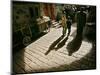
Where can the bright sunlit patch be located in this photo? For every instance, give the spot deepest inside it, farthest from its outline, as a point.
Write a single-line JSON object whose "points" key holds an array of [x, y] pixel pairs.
{"points": [[84, 49], [34, 55]]}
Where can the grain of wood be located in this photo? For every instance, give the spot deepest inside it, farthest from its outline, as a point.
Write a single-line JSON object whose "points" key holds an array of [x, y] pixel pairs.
{"points": [[35, 59]]}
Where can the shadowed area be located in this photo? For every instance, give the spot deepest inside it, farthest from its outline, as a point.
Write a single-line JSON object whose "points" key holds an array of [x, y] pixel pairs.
{"points": [[85, 63], [62, 43], [52, 46], [33, 39], [90, 33], [74, 45], [33, 60]]}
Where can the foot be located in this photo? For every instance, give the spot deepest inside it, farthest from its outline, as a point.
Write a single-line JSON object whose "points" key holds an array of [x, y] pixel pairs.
{"points": [[69, 54]]}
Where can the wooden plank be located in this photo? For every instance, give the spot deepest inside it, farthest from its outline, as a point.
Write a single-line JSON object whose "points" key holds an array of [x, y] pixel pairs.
{"points": [[81, 52], [30, 63], [17, 69], [43, 54], [58, 56], [23, 65], [36, 60], [43, 49], [47, 36], [58, 59], [44, 60], [38, 53], [77, 55]]}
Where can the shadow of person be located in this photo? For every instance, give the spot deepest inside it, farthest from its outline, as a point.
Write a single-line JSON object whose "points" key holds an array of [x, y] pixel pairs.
{"points": [[52, 46], [86, 62], [74, 45], [61, 44]]}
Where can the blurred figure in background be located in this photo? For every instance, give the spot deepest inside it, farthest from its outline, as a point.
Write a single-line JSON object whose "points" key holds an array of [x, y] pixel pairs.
{"points": [[75, 44], [64, 24], [69, 23], [81, 21]]}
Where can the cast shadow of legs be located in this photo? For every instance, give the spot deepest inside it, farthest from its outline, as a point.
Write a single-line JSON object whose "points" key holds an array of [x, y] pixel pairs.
{"points": [[74, 45], [52, 46], [61, 44], [87, 62]]}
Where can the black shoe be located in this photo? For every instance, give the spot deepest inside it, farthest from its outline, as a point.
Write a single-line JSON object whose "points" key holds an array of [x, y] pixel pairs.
{"points": [[69, 54]]}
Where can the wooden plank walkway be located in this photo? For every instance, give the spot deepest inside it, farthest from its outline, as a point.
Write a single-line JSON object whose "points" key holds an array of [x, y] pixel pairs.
{"points": [[32, 59]]}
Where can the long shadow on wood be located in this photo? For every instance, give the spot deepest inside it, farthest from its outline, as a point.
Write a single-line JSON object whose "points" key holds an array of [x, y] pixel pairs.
{"points": [[52, 46], [85, 63], [74, 45], [61, 44]]}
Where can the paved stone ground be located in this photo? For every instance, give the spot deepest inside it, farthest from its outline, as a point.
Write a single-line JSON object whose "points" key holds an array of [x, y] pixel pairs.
{"points": [[49, 54]]}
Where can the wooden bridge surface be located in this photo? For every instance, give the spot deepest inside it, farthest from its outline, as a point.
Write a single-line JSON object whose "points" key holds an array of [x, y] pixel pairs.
{"points": [[32, 59]]}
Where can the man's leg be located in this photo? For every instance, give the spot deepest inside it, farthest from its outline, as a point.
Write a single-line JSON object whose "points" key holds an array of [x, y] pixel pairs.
{"points": [[69, 30], [64, 31]]}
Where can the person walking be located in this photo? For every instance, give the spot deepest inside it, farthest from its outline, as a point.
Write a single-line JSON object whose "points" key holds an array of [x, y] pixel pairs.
{"points": [[75, 44], [81, 21], [64, 24], [69, 23]]}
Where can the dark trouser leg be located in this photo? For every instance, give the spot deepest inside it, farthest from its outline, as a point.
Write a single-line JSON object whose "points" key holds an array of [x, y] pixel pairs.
{"points": [[63, 31], [69, 30]]}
